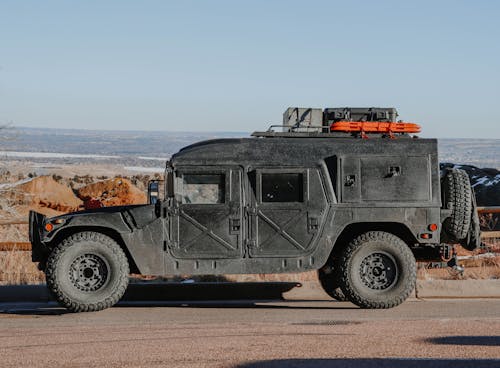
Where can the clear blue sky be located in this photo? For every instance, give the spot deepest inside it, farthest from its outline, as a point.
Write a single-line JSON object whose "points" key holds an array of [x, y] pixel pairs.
{"points": [[236, 65]]}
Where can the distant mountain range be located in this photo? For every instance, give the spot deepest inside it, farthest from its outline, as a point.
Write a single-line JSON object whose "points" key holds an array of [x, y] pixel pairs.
{"points": [[104, 142], [161, 144]]}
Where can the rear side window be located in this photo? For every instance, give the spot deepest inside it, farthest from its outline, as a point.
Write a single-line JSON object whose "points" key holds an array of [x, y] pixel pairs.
{"points": [[204, 188], [282, 187]]}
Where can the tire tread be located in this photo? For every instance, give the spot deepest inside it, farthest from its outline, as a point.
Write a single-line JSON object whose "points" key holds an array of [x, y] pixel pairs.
{"points": [[408, 262], [58, 292], [458, 198]]}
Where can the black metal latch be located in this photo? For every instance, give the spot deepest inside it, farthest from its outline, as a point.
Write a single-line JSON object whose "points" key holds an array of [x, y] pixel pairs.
{"points": [[234, 225], [393, 171], [350, 180], [312, 224], [252, 211]]}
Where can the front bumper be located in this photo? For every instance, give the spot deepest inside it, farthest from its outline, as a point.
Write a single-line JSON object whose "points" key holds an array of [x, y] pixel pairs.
{"points": [[39, 250]]}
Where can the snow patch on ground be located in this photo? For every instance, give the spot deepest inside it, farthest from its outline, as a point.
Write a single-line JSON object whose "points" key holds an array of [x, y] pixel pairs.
{"points": [[145, 169], [13, 185], [51, 155], [486, 181], [153, 158]]}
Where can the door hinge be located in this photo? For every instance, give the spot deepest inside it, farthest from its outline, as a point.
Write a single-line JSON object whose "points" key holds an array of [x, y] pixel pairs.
{"points": [[250, 210], [172, 211]]}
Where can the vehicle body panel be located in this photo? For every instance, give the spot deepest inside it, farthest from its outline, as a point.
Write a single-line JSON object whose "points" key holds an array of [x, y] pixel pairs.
{"points": [[341, 182]]}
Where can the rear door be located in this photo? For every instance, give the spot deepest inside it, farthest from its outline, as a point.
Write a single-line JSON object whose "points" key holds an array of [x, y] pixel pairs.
{"points": [[207, 222], [286, 211]]}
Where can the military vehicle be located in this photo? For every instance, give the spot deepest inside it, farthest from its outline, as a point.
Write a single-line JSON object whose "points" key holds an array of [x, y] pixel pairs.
{"points": [[350, 192]]}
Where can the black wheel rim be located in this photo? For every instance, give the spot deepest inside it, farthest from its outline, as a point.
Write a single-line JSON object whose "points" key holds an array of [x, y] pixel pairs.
{"points": [[89, 272], [379, 271]]}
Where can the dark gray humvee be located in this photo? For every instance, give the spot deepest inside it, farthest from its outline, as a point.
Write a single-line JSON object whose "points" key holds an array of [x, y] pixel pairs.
{"points": [[360, 211]]}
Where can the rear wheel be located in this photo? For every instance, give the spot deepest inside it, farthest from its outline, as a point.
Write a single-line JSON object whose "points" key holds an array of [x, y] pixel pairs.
{"points": [[377, 270], [87, 272]]}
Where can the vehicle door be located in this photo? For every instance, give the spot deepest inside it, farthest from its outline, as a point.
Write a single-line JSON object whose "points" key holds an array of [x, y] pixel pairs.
{"points": [[286, 211], [207, 218]]}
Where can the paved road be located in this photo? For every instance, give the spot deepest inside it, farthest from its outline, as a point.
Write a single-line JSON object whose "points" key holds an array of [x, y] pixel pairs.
{"points": [[447, 333]]}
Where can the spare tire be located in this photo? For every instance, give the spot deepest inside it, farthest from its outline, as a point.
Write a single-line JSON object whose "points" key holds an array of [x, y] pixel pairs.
{"points": [[457, 197], [473, 239]]}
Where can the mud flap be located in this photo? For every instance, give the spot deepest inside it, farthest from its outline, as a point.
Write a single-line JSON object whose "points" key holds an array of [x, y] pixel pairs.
{"points": [[38, 249]]}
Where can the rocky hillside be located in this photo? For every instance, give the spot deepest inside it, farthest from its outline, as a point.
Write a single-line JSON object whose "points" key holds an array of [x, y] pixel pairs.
{"points": [[50, 197]]}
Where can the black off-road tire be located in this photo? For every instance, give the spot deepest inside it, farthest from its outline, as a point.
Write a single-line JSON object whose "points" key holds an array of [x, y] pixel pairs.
{"points": [[361, 273], [329, 278], [473, 239], [458, 194], [87, 272]]}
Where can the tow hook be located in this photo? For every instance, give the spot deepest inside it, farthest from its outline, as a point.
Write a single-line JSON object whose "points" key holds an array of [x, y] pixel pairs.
{"points": [[449, 255]]}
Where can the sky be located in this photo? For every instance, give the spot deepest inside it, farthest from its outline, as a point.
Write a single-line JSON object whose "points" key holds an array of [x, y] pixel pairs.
{"points": [[237, 65]]}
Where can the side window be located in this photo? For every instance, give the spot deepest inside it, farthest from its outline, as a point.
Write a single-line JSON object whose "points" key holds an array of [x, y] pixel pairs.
{"points": [[282, 187], [331, 164], [203, 188]]}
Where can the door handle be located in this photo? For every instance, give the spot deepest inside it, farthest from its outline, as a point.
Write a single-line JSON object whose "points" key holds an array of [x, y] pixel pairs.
{"points": [[350, 180], [234, 226], [393, 171], [312, 224]]}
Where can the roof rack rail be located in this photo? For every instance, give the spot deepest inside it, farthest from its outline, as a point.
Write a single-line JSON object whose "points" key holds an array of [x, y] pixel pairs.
{"points": [[334, 134]]}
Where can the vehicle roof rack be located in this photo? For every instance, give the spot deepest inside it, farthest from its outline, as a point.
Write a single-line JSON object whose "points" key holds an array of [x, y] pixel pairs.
{"points": [[334, 134], [342, 122]]}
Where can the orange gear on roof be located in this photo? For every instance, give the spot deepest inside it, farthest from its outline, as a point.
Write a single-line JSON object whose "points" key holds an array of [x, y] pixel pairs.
{"points": [[374, 127]]}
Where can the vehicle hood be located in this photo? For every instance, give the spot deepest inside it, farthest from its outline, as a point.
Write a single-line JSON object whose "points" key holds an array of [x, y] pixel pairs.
{"points": [[102, 210]]}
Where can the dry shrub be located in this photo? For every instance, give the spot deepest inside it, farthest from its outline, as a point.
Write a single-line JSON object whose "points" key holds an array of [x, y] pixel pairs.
{"points": [[488, 221], [483, 273], [479, 266], [475, 269], [14, 233], [492, 244], [16, 268]]}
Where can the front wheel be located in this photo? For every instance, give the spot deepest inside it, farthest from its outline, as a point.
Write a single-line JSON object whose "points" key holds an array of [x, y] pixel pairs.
{"points": [[87, 272], [377, 270]]}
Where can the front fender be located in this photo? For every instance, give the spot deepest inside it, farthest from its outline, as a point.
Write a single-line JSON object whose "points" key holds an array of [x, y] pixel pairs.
{"points": [[138, 230], [113, 221]]}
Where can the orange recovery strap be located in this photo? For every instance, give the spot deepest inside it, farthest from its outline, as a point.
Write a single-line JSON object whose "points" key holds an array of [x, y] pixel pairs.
{"points": [[374, 127]]}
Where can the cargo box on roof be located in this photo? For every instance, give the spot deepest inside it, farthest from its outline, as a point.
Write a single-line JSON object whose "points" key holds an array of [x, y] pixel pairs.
{"points": [[335, 114], [302, 119]]}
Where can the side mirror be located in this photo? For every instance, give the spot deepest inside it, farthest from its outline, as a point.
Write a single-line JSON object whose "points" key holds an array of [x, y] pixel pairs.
{"points": [[169, 182], [153, 191]]}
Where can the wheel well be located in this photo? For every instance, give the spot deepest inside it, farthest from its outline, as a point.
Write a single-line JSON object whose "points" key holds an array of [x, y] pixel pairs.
{"points": [[353, 230], [113, 234]]}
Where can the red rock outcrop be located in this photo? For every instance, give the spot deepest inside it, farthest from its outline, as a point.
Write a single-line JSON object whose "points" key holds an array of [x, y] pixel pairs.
{"points": [[112, 192], [44, 192]]}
